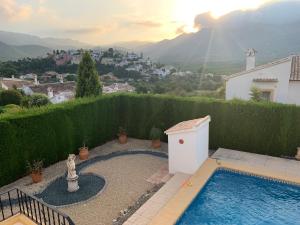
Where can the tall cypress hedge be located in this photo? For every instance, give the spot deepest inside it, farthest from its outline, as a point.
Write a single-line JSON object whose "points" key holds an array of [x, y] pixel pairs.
{"points": [[52, 132]]}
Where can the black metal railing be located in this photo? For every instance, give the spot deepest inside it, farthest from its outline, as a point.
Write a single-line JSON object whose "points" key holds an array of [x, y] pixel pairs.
{"points": [[16, 201]]}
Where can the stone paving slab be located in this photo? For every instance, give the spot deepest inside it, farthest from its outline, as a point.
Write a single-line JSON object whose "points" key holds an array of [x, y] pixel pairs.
{"points": [[161, 176], [287, 167]]}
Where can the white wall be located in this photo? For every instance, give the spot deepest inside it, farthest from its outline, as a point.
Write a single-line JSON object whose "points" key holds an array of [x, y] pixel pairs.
{"points": [[294, 92], [190, 155], [182, 157], [240, 86]]}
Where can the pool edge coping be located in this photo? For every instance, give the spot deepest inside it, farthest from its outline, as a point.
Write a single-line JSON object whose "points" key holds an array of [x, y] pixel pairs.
{"points": [[178, 204]]}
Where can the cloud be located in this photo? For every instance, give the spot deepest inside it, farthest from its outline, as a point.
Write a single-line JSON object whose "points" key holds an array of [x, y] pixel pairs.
{"points": [[145, 23], [85, 30], [204, 20], [13, 11]]}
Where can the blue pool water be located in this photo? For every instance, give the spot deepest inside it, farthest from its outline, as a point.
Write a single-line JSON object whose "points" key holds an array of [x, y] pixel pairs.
{"points": [[233, 198]]}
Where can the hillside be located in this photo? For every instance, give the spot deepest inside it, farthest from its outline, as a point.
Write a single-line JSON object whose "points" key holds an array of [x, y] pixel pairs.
{"points": [[9, 52], [273, 30], [12, 38]]}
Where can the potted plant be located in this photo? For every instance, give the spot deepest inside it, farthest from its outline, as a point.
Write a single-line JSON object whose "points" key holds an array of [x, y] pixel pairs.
{"points": [[84, 151], [155, 135], [35, 169], [122, 135], [298, 154]]}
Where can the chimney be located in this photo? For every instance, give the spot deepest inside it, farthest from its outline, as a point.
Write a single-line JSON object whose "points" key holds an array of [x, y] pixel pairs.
{"points": [[250, 61], [35, 80], [61, 79], [50, 92]]}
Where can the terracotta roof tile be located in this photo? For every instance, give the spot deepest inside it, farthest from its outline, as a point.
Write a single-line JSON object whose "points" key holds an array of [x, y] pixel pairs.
{"points": [[11, 83], [265, 80], [187, 125], [295, 69], [56, 87]]}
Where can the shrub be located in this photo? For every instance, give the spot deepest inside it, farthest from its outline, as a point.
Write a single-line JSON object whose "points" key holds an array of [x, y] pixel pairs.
{"points": [[36, 166], [11, 108], [256, 94], [10, 97], [35, 100], [122, 131], [155, 133]]}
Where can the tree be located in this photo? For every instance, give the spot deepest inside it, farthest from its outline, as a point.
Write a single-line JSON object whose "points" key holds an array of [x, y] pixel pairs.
{"points": [[88, 83], [35, 100], [10, 97], [256, 94]]}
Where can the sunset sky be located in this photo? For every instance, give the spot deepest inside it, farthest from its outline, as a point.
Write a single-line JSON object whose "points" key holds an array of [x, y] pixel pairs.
{"points": [[110, 21]]}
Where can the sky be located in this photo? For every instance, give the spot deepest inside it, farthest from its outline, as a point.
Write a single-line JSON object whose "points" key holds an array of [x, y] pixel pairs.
{"points": [[100, 22]]}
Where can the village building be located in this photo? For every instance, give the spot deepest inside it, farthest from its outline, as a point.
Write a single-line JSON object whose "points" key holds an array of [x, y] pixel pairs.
{"points": [[278, 81], [13, 83], [118, 87], [56, 92]]}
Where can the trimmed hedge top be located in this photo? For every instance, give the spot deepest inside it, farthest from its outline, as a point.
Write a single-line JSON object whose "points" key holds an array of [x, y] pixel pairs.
{"points": [[52, 132]]}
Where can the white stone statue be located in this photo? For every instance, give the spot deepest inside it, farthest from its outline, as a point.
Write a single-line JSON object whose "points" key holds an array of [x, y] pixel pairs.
{"points": [[72, 177], [71, 166]]}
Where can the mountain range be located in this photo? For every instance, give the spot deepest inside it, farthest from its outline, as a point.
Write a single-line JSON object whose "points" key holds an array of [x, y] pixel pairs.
{"points": [[273, 30], [18, 45], [11, 52]]}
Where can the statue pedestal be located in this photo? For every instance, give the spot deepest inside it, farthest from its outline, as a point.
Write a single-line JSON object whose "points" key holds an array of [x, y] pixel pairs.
{"points": [[72, 184]]}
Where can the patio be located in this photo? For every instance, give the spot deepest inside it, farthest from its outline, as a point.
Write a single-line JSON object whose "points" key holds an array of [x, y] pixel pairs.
{"points": [[127, 178]]}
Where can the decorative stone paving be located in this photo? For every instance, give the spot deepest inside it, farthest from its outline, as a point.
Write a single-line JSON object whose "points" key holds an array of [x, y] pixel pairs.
{"points": [[56, 194], [162, 176]]}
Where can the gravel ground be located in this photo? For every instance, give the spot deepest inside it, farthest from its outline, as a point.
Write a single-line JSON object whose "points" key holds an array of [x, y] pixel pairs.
{"points": [[125, 176], [58, 169], [126, 182]]}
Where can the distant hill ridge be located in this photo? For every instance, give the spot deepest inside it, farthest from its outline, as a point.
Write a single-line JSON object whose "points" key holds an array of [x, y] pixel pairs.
{"points": [[273, 30], [12, 38], [10, 52]]}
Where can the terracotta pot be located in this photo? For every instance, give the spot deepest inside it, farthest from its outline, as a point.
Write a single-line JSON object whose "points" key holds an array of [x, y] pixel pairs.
{"points": [[156, 143], [123, 139], [36, 177], [298, 154], [83, 153]]}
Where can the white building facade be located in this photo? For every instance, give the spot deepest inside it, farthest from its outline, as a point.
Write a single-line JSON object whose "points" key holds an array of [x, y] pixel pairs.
{"points": [[278, 81]]}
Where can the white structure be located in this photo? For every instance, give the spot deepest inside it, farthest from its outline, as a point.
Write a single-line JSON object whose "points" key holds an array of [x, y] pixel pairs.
{"points": [[279, 81], [188, 145], [250, 60], [72, 177], [118, 87]]}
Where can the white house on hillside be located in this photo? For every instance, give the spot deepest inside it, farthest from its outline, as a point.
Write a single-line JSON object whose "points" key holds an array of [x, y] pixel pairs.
{"points": [[279, 81]]}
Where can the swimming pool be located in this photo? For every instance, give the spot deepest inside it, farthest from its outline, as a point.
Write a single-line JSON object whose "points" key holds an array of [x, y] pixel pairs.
{"points": [[231, 197]]}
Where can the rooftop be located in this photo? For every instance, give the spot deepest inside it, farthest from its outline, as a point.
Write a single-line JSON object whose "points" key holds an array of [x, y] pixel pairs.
{"points": [[295, 69], [56, 87], [294, 73], [10, 83], [187, 125]]}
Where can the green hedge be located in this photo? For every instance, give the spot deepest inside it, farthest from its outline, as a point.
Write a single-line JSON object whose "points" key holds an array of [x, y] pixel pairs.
{"points": [[52, 132], [264, 128]]}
